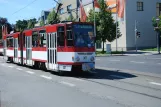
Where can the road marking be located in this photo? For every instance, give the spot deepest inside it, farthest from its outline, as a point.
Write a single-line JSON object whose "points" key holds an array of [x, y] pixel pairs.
{"points": [[115, 60], [154, 58], [97, 59], [117, 76], [10, 66], [46, 77], [67, 83], [137, 62], [159, 63], [19, 69], [155, 83], [30, 72]]}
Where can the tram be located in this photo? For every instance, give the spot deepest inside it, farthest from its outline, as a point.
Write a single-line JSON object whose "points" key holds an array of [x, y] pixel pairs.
{"points": [[1, 47], [60, 47]]}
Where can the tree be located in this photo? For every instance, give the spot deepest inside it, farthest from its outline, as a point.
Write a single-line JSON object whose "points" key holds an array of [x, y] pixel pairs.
{"points": [[21, 25], [90, 18], [51, 17], [31, 23], [70, 17], [154, 23], [4, 21], [42, 23], [106, 27]]}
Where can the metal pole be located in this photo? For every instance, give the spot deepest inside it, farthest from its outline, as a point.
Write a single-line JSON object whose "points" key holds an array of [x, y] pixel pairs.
{"points": [[94, 23], [158, 45], [116, 22], [135, 35], [94, 20]]}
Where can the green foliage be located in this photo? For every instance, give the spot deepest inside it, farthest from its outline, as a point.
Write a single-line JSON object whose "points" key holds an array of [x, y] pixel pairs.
{"points": [[51, 17], [3, 21], [105, 25], [71, 18], [42, 23], [31, 23], [24, 24], [154, 23], [21, 25]]}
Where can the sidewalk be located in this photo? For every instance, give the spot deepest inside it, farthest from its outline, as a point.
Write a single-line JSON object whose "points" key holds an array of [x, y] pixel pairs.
{"points": [[132, 53]]}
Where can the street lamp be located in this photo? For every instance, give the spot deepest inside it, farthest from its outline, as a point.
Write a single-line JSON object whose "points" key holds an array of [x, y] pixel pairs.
{"points": [[158, 34]]}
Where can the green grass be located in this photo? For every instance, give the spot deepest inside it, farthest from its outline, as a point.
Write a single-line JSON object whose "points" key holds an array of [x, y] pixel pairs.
{"points": [[151, 49], [104, 53]]}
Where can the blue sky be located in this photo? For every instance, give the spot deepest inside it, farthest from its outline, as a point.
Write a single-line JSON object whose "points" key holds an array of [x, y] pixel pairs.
{"points": [[8, 7]]}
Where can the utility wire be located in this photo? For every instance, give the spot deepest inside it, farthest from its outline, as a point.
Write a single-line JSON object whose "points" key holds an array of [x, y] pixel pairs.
{"points": [[24, 7]]}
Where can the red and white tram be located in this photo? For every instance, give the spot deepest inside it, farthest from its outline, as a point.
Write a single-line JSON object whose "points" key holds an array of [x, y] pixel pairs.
{"points": [[1, 47], [59, 47]]}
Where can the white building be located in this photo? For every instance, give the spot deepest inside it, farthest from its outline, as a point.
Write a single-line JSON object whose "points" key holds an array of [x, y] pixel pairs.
{"points": [[140, 10]]}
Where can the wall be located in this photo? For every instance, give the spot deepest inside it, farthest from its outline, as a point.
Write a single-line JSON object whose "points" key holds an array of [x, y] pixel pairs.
{"points": [[148, 35]]}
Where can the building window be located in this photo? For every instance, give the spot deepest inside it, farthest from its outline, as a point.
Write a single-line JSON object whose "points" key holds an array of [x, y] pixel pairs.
{"points": [[61, 11], [69, 7], [158, 10], [139, 6]]}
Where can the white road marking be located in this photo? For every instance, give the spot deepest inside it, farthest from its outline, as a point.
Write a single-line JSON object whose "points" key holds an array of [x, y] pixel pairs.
{"points": [[46, 77], [137, 62], [30, 72], [117, 76], [154, 58], [19, 69], [97, 59], [159, 63], [10, 66], [67, 83], [114, 60], [155, 83]]}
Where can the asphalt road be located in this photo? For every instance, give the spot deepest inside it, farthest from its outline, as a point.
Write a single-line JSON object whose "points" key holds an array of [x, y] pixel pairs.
{"points": [[147, 63], [26, 87]]}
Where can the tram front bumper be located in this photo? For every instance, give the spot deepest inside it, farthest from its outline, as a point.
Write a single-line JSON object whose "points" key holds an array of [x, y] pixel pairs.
{"points": [[88, 66]]}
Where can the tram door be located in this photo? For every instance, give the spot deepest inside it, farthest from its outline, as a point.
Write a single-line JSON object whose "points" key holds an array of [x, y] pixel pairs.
{"points": [[4, 47], [52, 51], [15, 45], [28, 40]]}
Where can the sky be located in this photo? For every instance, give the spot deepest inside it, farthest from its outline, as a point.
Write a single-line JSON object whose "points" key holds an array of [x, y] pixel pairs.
{"points": [[9, 7]]}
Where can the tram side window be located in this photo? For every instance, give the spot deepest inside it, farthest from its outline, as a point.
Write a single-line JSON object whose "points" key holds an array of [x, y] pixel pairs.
{"points": [[42, 38], [61, 39], [69, 36], [10, 42], [35, 39]]}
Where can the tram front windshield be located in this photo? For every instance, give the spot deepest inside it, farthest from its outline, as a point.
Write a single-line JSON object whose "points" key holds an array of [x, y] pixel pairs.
{"points": [[83, 35]]}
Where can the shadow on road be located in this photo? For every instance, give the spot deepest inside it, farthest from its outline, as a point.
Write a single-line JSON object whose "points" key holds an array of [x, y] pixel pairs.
{"points": [[102, 74]]}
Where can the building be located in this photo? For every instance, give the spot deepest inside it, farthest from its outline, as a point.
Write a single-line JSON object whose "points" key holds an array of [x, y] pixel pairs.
{"points": [[140, 10], [43, 17]]}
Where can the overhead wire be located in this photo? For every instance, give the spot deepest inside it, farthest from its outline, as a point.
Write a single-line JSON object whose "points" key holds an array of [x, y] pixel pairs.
{"points": [[24, 7]]}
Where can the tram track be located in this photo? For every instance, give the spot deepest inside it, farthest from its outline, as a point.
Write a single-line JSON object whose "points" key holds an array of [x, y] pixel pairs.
{"points": [[108, 85]]}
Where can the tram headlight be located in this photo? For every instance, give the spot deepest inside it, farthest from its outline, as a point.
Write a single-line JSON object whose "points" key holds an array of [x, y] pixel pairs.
{"points": [[77, 58], [92, 58]]}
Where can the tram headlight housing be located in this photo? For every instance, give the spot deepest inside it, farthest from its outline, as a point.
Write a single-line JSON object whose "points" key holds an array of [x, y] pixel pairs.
{"points": [[77, 58], [92, 58]]}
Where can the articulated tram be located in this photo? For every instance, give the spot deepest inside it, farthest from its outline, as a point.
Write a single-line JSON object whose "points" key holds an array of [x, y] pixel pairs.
{"points": [[1, 47], [60, 47]]}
